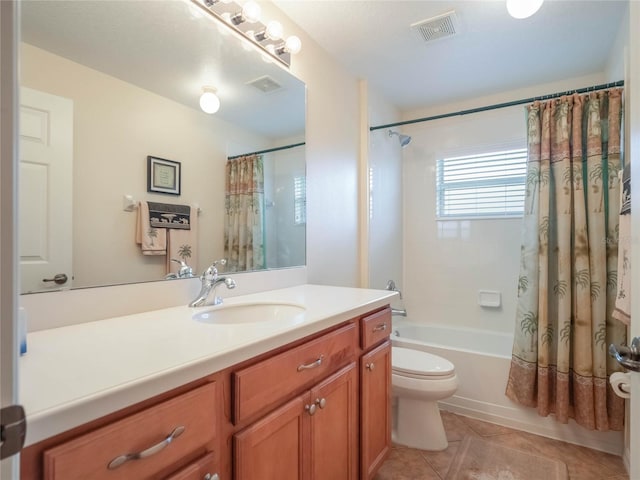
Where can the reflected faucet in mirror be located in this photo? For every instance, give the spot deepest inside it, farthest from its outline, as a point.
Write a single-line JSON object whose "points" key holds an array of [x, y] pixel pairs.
{"points": [[210, 281], [185, 271]]}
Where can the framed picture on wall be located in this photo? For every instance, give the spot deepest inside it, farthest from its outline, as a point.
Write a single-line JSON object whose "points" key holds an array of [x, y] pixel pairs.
{"points": [[163, 176]]}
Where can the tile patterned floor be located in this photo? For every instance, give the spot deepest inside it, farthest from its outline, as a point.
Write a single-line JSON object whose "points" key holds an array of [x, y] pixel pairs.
{"points": [[583, 463]]}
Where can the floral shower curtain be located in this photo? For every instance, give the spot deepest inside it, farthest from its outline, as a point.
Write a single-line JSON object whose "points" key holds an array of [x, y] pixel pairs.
{"points": [[244, 214], [567, 284]]}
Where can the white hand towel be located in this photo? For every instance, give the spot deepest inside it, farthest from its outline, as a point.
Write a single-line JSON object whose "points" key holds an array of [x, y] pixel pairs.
{"points": [[152, 241], [183, 244]]}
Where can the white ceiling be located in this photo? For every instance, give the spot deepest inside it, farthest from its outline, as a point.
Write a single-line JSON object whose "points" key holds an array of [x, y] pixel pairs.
{"points": [[491, 53]]}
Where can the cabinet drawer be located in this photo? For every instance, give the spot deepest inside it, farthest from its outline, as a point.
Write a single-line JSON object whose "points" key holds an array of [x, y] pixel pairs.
{"points": [[375, 328], [260, 387], [88, 456], [198, 470]]}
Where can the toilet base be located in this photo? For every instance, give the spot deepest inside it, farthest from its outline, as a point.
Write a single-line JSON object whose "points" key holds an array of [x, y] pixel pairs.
{"points": [[419, 425]]}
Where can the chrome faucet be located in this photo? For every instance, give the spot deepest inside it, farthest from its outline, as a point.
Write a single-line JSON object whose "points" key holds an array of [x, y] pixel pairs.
{"points": [[391, 286], [210, 281]]}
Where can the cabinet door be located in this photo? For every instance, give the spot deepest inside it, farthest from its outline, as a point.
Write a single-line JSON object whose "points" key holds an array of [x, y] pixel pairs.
{"points": [[334, 427], [272, 448], [375, 409]]}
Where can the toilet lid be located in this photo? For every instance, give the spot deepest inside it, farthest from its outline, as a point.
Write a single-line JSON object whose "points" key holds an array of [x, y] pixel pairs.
{"points": [[417, 362]]}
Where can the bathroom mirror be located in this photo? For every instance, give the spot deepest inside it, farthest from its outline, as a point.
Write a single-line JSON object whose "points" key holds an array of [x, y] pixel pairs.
{"points": [[104, 85]]}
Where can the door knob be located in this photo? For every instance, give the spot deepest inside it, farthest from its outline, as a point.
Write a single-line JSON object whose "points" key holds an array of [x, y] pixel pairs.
{"points": [[58, 279], [628, 357]]}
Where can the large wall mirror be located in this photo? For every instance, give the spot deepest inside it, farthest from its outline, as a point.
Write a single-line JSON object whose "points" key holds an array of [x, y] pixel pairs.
{"points": [[104, 85]]}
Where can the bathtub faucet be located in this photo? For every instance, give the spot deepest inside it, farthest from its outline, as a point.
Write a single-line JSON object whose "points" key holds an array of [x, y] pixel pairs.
{"points": [[391, 286], [402, 312]]}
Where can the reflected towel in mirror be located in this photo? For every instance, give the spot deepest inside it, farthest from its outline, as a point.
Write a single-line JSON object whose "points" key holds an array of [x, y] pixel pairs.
{"points": [[152, 241], [183, 244]]}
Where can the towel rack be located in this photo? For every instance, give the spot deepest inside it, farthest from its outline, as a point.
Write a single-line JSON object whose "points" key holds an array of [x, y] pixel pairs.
{"points": [[129, 204]]}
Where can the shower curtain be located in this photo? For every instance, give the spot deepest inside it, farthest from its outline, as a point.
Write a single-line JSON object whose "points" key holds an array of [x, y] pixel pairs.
{"points": [[244, 214], [567, 284]]}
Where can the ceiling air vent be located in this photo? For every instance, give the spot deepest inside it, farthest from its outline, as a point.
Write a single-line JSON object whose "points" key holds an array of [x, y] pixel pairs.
{"points": [[265, 84], [441, 26]]}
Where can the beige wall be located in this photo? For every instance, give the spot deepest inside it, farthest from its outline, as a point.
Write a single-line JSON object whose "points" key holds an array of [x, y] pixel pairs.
{"points": [[332, 151], [116, 125]]}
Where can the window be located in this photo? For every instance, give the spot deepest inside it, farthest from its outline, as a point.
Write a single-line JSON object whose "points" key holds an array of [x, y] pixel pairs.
{"points": [[299, 200], [485, 185]]}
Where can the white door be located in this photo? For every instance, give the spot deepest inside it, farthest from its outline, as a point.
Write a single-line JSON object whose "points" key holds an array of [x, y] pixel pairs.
{"points": [[632, 94], [46, 160], [8, 237]]}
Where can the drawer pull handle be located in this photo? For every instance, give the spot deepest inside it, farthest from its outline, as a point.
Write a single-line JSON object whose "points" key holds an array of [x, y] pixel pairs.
{"points": [[321, 402], [310, 408], [315, 364], [208, 476], [116, 462], [370, 366], [380, 327]]}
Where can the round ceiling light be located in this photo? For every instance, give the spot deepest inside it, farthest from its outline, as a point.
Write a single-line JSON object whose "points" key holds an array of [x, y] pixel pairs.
{"points": [[209, 101], [523, 8]]}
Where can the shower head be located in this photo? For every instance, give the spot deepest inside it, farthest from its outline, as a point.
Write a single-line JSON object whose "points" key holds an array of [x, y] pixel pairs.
{"points": [[403, 139]]}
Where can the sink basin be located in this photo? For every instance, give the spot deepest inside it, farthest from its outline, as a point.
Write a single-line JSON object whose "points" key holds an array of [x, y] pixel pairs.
{"points": [[251, 313]]}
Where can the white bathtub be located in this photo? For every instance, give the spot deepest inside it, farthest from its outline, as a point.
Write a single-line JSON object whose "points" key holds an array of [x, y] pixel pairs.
{"points": [[482, 359], [472, 341]]}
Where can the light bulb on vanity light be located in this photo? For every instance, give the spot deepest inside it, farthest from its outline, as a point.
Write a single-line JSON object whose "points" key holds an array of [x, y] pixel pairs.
{"points": [[274, 30], [251, 11], [523, 8], [293, 44], [209, 101]]}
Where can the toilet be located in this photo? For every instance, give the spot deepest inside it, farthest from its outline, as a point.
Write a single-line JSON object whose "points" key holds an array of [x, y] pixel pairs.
{"points": [[419, 379]]}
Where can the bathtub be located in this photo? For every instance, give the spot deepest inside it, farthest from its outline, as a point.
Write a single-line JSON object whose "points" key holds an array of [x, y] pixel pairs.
{"points": [[471, 341], [482, 359]]}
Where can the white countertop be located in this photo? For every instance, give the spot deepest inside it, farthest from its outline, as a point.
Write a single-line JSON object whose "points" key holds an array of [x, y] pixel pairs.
{"points": [[75, 374]]}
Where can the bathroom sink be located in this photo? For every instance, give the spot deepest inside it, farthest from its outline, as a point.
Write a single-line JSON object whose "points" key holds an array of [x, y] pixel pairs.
{"points": [[251, 313]]}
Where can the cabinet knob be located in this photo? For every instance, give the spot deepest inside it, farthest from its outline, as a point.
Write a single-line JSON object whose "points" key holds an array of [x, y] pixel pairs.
{"points": [[321, 402], [370, 366], [310, 408]]}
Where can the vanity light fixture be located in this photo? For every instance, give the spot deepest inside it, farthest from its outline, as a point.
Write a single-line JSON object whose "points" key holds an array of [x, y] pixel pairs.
{"points": [[209, 101], [245, 21], [523, 8]]}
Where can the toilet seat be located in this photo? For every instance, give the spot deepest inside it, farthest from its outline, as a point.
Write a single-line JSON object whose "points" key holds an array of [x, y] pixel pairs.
{"points": [[419, 364]]}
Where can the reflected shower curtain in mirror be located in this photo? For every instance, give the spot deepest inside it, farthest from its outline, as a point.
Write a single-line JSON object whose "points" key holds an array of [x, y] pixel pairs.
{"points": [[567, 284], [244, 214]]}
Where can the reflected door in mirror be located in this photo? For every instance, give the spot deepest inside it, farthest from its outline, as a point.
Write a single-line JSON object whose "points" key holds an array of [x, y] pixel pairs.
{"points": [[46, 156]]}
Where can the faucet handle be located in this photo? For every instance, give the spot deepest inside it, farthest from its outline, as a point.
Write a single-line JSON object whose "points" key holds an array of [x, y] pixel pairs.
{"points": [[211, 273]]}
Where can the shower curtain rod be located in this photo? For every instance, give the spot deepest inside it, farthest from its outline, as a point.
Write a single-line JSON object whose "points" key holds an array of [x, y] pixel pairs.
{"points": [[603, 86], [269, 150]]}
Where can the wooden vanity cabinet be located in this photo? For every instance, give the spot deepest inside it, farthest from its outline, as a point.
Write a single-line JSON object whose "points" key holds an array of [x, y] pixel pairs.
{"points": [[375, 392], [339, 428], [316, 409], [314, 435], [311, 437]]}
